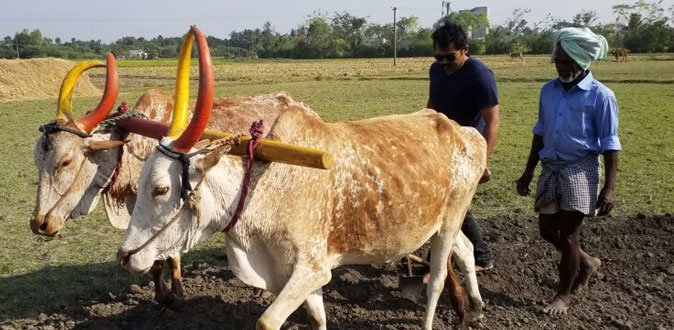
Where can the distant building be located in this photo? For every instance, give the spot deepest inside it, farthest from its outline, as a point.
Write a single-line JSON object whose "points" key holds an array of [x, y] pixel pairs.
{"points": [[138, 53], [481, 31]]}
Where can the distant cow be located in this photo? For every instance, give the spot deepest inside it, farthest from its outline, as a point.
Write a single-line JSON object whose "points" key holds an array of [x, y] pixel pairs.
{"points": [[621, 54], [515, 54]]}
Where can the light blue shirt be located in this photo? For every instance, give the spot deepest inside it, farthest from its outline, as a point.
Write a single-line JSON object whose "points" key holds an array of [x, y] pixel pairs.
{"points": [[577, 122]]}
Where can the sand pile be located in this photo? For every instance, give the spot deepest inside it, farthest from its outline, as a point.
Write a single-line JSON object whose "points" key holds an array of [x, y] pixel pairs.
{"points": [[39, 78]]}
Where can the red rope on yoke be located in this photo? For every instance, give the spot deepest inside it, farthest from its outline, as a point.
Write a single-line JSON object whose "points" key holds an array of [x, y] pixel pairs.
{"points": [[120, 111], [256, 133]]}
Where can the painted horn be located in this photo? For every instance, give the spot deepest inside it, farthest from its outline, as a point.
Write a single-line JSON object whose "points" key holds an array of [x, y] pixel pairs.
{"points": [[186, 137], [88, 122], [65, 101]]}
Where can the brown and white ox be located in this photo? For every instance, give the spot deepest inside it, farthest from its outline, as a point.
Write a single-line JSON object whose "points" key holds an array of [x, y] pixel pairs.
{"points": [[397, 182], [516, 55], [620, 53], [75, 171]]}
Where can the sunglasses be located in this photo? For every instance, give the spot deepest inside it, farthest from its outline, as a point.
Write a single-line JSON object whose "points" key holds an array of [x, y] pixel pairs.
{"points": [[449, 57]]}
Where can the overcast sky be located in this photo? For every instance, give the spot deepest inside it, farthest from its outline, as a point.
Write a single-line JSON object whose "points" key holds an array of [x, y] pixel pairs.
{"points": [[111, 20]]}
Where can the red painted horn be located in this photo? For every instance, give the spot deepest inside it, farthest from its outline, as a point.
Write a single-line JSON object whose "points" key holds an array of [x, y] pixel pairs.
{"points": [[88, 122], [204, 105]]}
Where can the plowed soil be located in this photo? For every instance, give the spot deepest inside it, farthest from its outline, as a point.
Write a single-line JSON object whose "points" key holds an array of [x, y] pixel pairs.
{"points": [[634, 289]]}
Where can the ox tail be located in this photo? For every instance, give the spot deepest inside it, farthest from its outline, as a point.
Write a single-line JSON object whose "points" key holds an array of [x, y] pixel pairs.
{"points": [[458, 295]]}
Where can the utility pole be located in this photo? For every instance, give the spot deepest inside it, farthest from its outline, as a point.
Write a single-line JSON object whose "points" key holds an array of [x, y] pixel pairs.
{"points": [[395, 37]]}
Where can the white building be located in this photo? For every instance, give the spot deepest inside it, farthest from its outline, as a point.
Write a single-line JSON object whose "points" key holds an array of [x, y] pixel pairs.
{"points": [[481, 31], [138, 53]]}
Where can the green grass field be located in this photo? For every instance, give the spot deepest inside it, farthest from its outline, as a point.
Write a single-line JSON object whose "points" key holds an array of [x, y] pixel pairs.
{"points": [[45, 275]]}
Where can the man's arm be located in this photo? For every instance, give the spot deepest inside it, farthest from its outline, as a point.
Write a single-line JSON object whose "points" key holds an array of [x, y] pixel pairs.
{"points": [[606, 198], [490, 133], [525, 180], [492, 123]]}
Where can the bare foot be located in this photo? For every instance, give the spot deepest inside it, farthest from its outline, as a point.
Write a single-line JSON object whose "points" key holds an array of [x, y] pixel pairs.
{"points": [[559, 306], [588, 267]]}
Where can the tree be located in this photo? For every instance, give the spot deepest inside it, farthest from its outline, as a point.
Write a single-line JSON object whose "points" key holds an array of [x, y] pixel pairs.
{"points": [[586, 18], [350, 29]]}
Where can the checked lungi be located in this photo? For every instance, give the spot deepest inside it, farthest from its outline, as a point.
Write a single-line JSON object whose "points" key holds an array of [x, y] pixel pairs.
{"points": [[570, 186]]}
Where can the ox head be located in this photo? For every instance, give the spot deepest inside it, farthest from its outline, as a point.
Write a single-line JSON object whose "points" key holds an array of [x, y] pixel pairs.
{"points": [[67, 156], [168, 175]]}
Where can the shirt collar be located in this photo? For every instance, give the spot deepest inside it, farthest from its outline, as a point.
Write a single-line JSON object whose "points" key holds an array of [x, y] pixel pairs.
{"points": [[585, 84]]}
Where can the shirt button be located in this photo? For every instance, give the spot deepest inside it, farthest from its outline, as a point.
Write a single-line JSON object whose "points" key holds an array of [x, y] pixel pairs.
{"points": [[559, 114]]}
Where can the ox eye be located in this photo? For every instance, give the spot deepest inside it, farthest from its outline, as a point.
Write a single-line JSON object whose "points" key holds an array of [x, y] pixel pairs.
{"points": [[159, 191], [64, 163]]}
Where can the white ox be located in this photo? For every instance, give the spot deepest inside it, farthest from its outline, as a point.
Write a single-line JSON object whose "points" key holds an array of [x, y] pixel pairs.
{"points": [[75, 171], [397, 182]]}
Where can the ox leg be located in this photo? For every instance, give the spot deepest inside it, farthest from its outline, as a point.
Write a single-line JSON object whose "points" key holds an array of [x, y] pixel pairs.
{"points": [[177, 293], [463, 254], [160, 289], [302, 283], [316, 310], [441, 247], [174, 297]]}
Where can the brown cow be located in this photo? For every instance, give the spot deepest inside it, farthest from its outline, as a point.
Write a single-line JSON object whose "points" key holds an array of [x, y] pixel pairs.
{"points": [[397, 182], [621, 53], [516, 55]]}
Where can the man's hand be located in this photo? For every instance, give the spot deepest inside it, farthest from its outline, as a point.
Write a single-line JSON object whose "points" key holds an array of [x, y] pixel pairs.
{"points": [[486, 176], [605, 201], [523, 184]]}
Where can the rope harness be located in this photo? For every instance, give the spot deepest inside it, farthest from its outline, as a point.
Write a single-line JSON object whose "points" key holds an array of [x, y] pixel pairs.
{"points": [[191, 198], [185, 187], [122, 113], [255, 132], [46, 129], [70, 188], [51, 128]]}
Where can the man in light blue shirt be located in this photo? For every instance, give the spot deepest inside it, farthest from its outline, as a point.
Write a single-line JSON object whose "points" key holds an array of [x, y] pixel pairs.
{"points": [[577, 121]]}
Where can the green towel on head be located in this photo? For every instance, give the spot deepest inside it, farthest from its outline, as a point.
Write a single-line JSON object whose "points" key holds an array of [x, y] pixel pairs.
{"points": [[581, 44]]}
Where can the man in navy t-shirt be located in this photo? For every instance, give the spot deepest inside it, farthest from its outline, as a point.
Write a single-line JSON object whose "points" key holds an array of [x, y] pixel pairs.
{"points": [[464, 89]]}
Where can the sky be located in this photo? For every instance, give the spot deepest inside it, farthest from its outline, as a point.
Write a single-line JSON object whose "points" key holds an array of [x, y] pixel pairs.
{"points": [[111, 20]]}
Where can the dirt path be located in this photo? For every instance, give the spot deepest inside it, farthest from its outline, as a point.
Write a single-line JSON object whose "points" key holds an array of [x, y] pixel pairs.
{"points": [[633, 290]]}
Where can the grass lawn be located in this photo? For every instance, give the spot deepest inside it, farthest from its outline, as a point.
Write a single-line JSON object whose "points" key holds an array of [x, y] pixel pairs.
{"points": [[39, 274]]}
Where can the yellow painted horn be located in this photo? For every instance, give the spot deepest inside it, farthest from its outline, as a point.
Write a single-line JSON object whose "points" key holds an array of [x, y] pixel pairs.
{"points": [[182, 92], [65, 104]]}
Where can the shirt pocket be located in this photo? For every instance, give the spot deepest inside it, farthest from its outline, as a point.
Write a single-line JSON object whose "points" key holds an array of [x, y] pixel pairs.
{"points": [[578, 117]]}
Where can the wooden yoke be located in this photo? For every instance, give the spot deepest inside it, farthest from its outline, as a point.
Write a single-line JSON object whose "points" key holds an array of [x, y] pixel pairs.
{"points": [[275, 151], [267, 150]]}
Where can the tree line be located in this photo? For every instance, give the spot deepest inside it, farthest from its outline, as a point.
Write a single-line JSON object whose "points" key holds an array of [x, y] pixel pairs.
{"points": [[643, 27]]}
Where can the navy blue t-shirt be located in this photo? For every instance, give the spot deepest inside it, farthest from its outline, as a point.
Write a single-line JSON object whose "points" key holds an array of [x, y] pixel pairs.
{"points": [[462, 95]]}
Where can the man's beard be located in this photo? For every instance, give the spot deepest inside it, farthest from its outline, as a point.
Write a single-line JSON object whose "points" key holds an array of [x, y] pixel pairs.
{"points": [[450, 68], [569, 78]]}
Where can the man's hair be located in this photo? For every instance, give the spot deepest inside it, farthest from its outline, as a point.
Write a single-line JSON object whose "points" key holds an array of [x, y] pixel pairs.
{"points": [[448, 33]]}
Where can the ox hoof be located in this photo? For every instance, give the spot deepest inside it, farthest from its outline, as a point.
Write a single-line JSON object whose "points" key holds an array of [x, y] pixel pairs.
{"points": [[170, 300]]}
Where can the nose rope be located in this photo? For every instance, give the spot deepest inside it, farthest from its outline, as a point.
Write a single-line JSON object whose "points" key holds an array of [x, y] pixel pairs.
{"points": [[171, 153], [70, 188]]}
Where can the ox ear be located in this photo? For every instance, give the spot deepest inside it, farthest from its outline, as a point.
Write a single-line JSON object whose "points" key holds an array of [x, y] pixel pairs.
{"points": [[218, 149], [94, 146], [202, 144]]}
